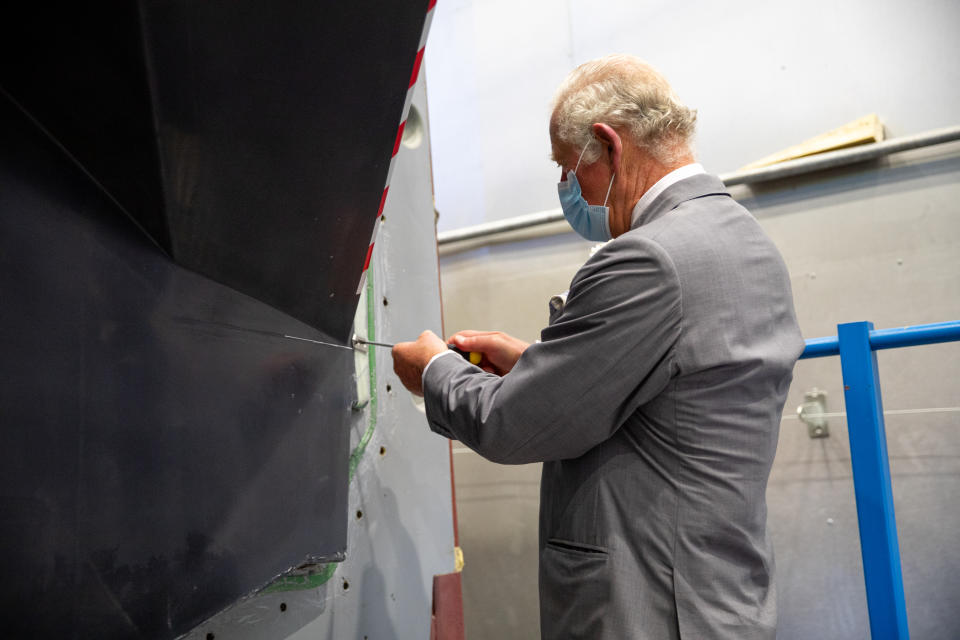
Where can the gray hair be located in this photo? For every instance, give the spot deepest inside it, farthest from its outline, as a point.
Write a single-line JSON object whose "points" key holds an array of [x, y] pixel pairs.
{"points": [[626, 93]]}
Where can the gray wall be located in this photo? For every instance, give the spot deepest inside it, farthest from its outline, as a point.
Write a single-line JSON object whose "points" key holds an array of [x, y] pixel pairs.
{"points": [[763, 75], [879, 242]]}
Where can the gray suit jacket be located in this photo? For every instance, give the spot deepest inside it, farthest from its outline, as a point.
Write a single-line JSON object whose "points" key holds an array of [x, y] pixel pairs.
{"points": [[654, 401]]}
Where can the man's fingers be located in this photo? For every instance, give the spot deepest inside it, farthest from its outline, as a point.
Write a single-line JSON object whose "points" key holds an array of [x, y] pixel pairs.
{"points": [[469, 333], [499, 349], [478, 342], [464, 342]]}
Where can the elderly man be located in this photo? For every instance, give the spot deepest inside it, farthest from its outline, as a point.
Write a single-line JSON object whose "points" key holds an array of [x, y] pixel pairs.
{"points": [[655, 394]]}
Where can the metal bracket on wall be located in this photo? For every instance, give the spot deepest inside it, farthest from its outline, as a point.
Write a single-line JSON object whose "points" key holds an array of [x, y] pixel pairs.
{"points": [[813, 413]]}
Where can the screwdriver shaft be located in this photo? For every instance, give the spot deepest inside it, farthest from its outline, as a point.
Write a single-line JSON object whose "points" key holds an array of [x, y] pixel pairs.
{"points": [[376, 344]]}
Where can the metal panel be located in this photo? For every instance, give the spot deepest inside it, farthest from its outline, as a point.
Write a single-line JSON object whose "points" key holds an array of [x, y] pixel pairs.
{"points": [[251, 140], [166, 449], [79, 69], [170, 448], [279, 121], [400, 521]]}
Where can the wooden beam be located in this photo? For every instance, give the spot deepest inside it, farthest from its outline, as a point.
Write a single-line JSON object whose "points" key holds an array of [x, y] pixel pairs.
{"points": [[862, 131]]}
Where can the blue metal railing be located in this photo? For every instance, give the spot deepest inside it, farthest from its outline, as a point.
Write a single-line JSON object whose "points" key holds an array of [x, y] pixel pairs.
{"points": [[855, 343]]}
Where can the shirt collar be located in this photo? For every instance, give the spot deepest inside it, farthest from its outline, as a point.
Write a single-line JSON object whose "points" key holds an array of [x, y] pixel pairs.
{"points": [[651, 194]]}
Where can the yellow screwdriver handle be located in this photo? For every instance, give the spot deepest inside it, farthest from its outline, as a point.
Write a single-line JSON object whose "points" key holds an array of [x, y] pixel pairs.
{"points": [[473, 357]]}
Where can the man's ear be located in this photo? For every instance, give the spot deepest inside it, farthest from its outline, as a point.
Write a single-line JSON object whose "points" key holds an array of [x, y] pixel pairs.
{"points": [[610, 140]]}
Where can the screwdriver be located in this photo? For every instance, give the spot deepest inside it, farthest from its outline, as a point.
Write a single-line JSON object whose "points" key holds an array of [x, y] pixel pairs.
{"points": [[473, 357]]}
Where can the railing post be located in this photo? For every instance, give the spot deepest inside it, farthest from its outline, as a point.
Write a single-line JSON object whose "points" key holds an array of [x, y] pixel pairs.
{"points": [[871, 481]]}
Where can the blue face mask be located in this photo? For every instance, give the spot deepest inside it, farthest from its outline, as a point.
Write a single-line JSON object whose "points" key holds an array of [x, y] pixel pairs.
{"points": [[591, 221]]}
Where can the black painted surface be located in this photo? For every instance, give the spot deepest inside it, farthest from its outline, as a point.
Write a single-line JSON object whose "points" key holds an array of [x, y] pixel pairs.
{"points": [[181, 184], [165, 450], [250, 140], [79, 69]]}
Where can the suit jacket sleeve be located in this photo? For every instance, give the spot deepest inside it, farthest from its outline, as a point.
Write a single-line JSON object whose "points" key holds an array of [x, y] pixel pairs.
{"points": [[609, 351]]}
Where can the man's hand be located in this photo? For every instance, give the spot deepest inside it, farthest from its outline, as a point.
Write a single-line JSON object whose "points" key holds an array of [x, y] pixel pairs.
{"points": [[409, 359], [500, 351]]}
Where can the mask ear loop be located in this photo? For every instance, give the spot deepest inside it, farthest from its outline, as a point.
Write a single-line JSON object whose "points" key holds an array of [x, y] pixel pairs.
{"points": [[609, 187], [607, 197], [581, 157]]}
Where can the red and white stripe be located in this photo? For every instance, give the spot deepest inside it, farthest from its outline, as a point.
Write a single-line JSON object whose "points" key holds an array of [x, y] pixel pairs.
{"points": [[396, 145]]}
